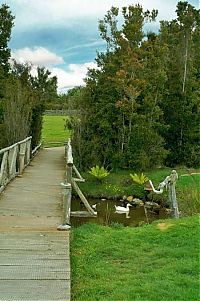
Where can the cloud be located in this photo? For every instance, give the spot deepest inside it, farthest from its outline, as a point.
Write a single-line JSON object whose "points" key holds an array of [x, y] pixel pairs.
{"points": [[39, 56], [40, 12], [74, 76]]}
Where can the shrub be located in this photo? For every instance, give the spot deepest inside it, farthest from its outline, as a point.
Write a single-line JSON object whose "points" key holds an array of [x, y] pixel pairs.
{"points": [[99, 172], [139, 179]]}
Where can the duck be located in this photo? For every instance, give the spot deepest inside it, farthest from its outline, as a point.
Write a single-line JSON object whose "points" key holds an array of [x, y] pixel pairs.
{"points": [[94, 206], [123, 209]]}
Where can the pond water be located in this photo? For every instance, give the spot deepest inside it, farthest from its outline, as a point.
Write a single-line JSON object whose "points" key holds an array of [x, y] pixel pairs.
{"points": [[107, 215]]}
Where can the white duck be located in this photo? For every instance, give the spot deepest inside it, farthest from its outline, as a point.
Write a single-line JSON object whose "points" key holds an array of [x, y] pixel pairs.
{"points": [[121, 209], [94, 206]]}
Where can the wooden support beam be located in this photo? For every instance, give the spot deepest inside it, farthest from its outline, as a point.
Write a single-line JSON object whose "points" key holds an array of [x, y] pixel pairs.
{"points": [[78, 174], [82, 214], [83, 198]]}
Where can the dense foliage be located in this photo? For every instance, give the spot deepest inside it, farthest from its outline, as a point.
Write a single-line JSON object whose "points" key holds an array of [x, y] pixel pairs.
{"points": [[140, 107], [23, 97]]}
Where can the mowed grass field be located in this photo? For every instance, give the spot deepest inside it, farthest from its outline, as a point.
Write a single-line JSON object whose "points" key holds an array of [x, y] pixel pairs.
{"points": [[157, 262], [54, 132]]}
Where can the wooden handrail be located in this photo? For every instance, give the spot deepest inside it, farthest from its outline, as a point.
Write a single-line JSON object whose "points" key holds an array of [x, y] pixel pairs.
{"points": [[67, 189], [14, 160], [13, 145]]}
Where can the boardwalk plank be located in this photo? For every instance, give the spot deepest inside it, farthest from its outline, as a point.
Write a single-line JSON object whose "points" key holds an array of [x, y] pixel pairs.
{"points": [[34, 256], [38, 290]]}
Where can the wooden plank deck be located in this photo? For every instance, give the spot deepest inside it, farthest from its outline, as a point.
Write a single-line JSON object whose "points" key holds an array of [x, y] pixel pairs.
{"points": [[34, 256]]}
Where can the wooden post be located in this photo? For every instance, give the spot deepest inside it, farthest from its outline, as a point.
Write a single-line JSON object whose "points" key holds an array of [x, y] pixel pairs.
{"points": [[172, 193], [66, 192], [170, 183], [28, 152], [4, 170], [13, 162], [21, 157]]}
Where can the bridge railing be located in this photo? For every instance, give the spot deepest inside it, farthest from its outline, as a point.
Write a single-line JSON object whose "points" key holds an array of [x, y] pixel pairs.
{"points": [[67, 191], [13, 160]]}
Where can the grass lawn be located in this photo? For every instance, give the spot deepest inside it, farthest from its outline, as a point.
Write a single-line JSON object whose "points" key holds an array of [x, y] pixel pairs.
{"points": [[54, 131], [157, 262]]}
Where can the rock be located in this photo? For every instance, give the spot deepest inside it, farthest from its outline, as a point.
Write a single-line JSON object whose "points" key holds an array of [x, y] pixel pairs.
{"points": [[130, 198], [168, 211], [124, 198], [137, 202], [152, 205]]}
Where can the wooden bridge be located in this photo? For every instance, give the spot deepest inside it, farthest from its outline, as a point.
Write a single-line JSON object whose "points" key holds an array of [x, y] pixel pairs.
{"points": [[34, 255]]}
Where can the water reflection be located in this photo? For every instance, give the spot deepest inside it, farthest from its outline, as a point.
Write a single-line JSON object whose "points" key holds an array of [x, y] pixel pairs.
{"points": [[107, 214]]}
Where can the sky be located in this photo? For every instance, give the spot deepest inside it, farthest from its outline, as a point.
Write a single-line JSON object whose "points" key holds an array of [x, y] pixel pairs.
{"points": [[63, 36]]}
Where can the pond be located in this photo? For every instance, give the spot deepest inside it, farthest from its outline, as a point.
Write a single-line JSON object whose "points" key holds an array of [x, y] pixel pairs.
{"points": [[107, 215]]}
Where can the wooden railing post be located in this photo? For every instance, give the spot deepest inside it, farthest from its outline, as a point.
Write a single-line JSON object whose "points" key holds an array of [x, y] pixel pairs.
{"points": [[170, 183], [67, 190], [4, 170], [22, 149], [28, 151], [13, 161], [66, 193], [172, 193]]}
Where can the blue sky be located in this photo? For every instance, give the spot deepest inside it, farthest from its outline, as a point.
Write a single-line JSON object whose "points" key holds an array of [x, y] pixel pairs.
{"points": [[63, 36]]}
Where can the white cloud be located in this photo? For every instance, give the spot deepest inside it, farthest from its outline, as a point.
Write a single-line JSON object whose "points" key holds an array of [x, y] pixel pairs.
{"points": [[37, 56], [74, 76], [38, 12]]}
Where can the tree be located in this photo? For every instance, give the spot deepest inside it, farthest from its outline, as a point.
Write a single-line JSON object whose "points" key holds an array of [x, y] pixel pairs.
{"points": [[17, 110], [120, 126], [6, 24], [182, 102], [45, 85]]}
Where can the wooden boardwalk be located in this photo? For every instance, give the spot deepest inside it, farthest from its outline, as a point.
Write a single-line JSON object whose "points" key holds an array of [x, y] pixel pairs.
{"points": [[34, 256]]}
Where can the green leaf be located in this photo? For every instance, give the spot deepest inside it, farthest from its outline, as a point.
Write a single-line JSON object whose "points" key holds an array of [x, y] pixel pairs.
{"points": [[139, 179], [99, 172]]}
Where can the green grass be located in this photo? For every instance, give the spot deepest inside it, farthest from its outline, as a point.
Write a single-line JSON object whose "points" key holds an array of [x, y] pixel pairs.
{"points": [[119, 183], [54, 132], [150, 263]]}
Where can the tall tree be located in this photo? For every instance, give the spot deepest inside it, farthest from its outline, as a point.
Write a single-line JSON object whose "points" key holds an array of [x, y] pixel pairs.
{"points": [[121, 127], [6, 24], [45, 84], [182, 101], [17, 110]]}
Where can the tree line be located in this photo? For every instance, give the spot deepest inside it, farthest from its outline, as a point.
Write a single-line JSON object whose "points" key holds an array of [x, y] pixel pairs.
{"points": [[140, 107], [23, 96]]}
